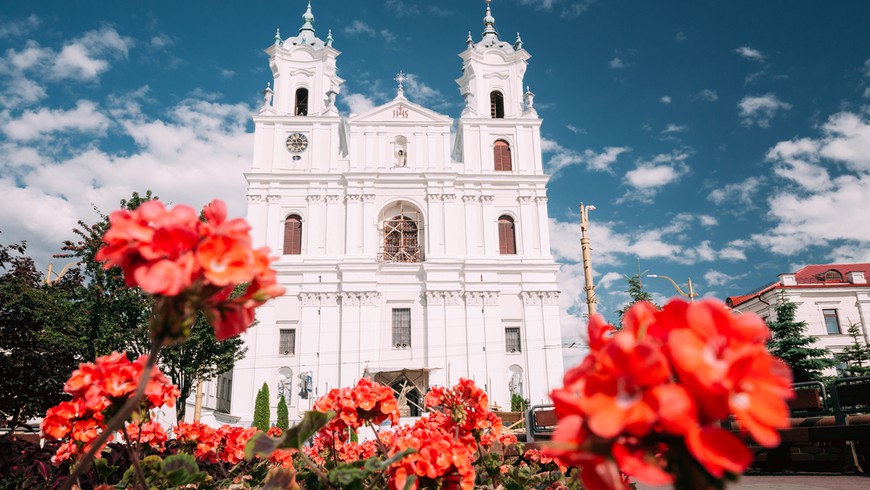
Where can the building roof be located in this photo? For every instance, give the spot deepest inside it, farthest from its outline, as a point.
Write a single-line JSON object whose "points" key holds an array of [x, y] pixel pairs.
{"points": [[811, 276]]}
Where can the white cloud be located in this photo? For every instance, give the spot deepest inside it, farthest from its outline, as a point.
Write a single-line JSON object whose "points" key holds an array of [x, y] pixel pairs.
{"points": [[423, 94], [867, 68], [608, 279], [87, 57], [562, 157], [675, 128], [388, 36], [742, 192], [716, 278], [358, 103], [749, 53], [84, 118], [760, 109], [649, 176], [617, 63], [707, 220], [20, 27], [568, 9], [706, 95], [680, 37], [575, 129], [161, 41], [358, 27], [196, 153], [665, 99], [825, 211]]}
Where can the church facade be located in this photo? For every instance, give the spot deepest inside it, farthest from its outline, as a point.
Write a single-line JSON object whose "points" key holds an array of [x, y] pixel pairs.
{"points": [[409, 255]]}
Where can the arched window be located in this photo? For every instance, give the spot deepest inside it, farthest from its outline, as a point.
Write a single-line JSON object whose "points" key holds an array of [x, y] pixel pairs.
{"points": [[401, 240], [502, 156], [293, 235], [833, 276], [496, 105], [507, 243], [301, 102]]}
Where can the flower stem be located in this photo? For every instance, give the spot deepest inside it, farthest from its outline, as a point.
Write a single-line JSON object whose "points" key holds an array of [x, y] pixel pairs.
{"points": [[118, 420], [313, 467], [134, 455]]}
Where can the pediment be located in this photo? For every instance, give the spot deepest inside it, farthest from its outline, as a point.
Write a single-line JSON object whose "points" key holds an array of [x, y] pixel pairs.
{"points": [[401, 111]]}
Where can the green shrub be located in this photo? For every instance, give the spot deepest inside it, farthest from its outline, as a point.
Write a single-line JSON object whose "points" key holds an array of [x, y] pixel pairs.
{"points": [[262, 414]]}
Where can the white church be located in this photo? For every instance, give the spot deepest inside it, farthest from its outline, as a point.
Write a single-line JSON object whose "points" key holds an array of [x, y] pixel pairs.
{"points": [[409, 256]]}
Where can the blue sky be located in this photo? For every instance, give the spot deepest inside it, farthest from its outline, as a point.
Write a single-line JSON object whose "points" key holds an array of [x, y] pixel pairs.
{"points": [[723, 141]]}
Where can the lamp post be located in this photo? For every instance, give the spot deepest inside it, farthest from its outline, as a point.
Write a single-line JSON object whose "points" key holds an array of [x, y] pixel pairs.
{"points": [[691, 294], [591, 300]]}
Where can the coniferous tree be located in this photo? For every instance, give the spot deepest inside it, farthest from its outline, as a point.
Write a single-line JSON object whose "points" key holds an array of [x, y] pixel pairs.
{"points": [[790, 343], [856, 356], [636, 294], [283, 422], [262, 413]]}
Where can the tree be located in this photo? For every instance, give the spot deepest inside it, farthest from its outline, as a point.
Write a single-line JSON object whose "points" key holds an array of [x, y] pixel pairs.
{"points": [[790, 343], [118, 317], [283, 422], [636, 294], [200, 357], [856, 355], [262, 413], [38, 322]]}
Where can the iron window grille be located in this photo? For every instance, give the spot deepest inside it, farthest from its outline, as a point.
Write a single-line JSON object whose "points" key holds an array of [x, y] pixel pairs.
{"points": [[287, 342], [401, 328], [512, 340]]}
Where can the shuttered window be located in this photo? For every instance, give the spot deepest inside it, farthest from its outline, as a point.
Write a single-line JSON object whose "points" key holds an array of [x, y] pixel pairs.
{"points": [[506, 236], [512, 339], [293, 235], [502, 156], [287, 342], [401, 328]]}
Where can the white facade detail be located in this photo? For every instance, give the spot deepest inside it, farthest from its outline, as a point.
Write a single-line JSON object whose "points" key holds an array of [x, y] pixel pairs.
{"points": [[404, 259]]}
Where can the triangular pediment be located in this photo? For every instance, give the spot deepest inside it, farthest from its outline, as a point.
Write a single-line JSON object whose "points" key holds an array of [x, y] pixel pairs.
{"points": [[401, 111]]}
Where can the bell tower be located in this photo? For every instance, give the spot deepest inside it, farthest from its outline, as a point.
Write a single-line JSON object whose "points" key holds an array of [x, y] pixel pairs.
{"points": [[303, 66], [498, 123]]}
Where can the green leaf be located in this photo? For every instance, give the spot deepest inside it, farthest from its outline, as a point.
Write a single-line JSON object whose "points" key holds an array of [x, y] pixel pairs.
{"points": [[181, 469], [263, 445], [375, 465], [409, 483]]}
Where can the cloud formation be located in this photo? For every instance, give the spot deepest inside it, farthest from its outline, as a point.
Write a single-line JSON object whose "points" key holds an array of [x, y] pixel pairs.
{"points": [[760, 109], [749, 53]]}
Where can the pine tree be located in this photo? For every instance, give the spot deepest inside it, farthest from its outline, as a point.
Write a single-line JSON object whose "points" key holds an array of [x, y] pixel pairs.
{"points": [[790, 343], [262, 413], [856, 356], [636, 293], [283, 422]]}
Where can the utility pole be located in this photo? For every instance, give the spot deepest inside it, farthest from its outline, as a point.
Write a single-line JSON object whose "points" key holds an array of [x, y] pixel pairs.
{"points": [[197, 407], [591, 300]]}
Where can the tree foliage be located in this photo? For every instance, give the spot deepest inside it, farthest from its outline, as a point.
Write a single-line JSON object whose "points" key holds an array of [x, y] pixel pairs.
{"points": [[117, 318], [262, 412], [790, 343], [856, 355], [38, 322], [636, 294], [283, 421]]}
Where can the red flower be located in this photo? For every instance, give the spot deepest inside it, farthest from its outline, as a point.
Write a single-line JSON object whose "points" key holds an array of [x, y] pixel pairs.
{"points": [[669, 374]]}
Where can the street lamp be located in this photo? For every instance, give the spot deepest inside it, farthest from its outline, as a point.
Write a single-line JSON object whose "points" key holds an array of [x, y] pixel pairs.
{"points": [[591, 300], [691, 294]]}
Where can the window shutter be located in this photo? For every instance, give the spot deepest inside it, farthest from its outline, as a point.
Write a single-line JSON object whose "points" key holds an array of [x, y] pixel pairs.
{"points": [[293, 235], [506, 238]]}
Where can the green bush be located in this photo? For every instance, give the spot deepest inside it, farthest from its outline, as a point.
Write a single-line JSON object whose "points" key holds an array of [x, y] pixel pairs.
{"points": [[518, 404], [283, 415], [262, 414]]}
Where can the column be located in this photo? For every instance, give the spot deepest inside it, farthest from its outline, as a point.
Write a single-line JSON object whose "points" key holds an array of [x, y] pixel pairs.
{"points": [[308, 339], [333, 237], [552, 339], [274, 226], [330, 341], [350, 339], [496, 378], [475, 338], [528, 238], [316, 224], [455, 336], [369, 226], [435, 228], [354, 224], [370, 330], [533, 347], [543, 225], [449, 224], [488, 226], [471, 216], [436, 337], [257, 216]]}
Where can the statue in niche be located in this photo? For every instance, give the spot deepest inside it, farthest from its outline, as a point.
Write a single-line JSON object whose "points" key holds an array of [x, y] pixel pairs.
{"points": [[515, 385], [285, 387], [401, 151]]}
